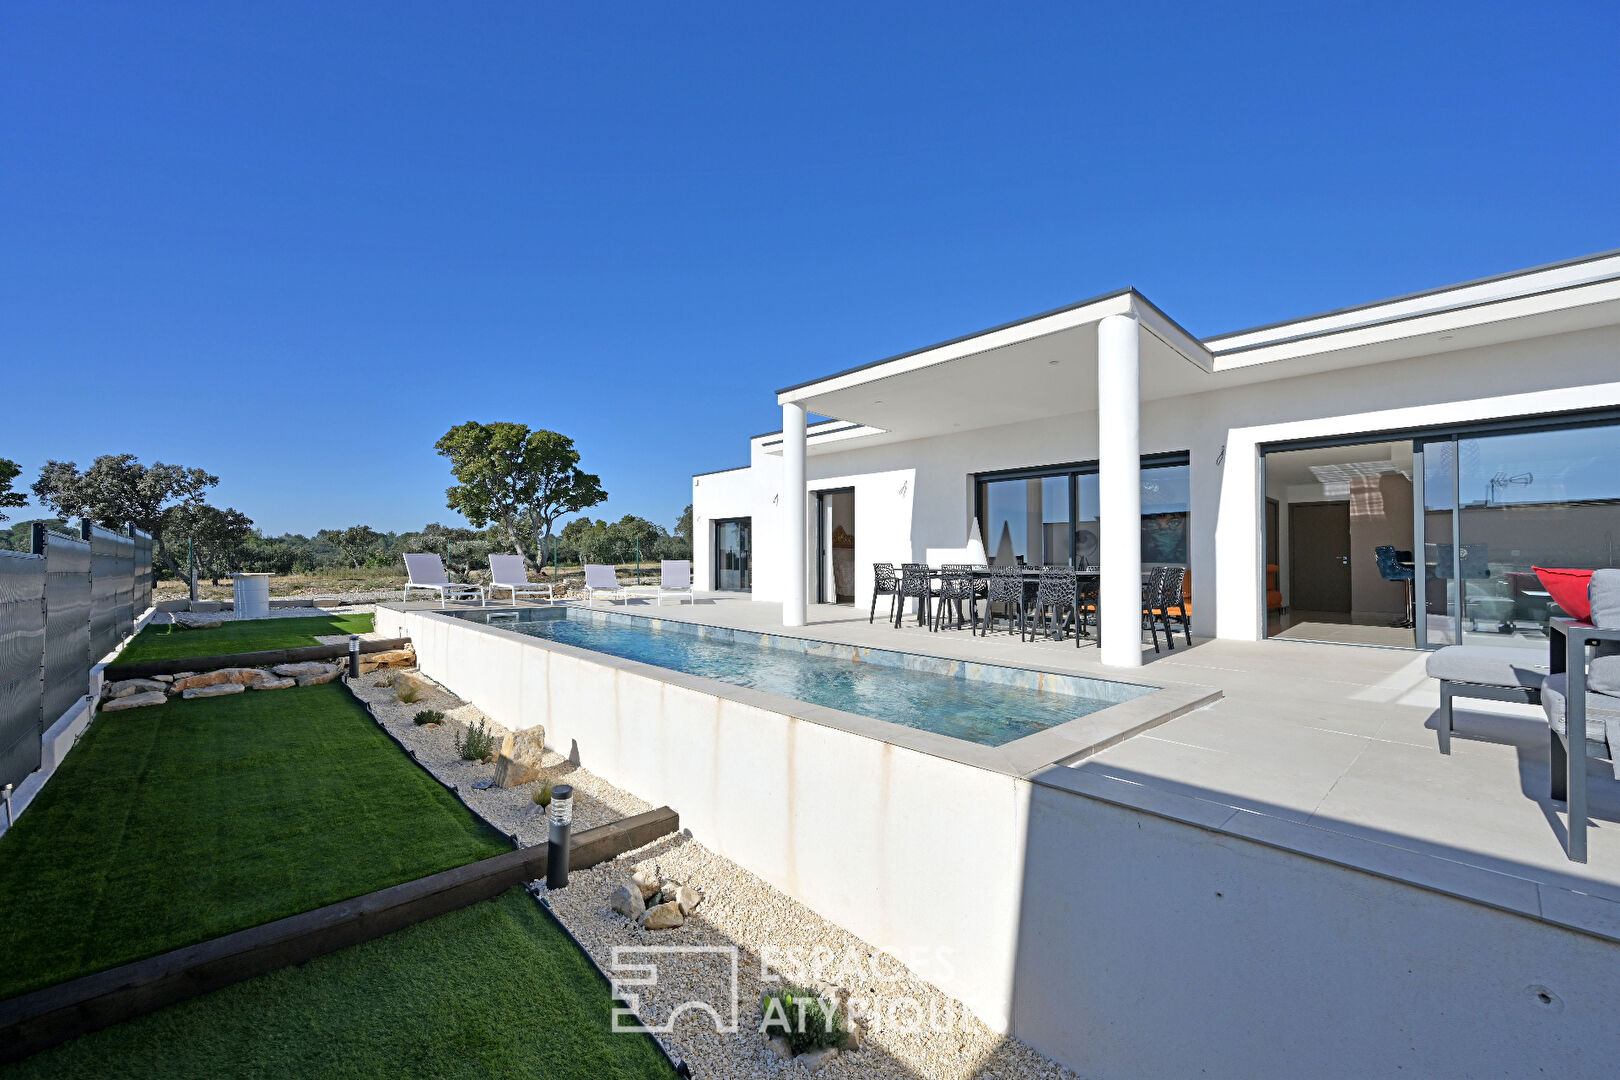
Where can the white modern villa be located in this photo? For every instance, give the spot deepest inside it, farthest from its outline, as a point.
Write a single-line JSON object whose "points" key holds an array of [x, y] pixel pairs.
{"points": [[1259, 854], [1477, 424]]}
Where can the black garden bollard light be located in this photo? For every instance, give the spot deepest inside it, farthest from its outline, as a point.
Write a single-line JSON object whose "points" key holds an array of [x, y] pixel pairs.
{"points": [[354, 656], [562, 820]]}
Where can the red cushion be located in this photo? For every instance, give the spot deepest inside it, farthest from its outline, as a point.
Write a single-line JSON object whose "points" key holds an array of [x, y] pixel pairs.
{"points": [[1568, 589]]}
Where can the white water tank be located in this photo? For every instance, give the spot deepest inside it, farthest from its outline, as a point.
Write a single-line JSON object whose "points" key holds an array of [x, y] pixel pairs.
{"points": [[252, 595]]}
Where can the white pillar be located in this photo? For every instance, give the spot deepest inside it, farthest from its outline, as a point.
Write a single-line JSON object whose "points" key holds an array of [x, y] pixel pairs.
{"points": [[794, 519], [1119, 488]]}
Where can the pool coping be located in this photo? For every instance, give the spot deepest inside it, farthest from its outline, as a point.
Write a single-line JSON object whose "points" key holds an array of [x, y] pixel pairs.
{"points": [[1023, 758]]}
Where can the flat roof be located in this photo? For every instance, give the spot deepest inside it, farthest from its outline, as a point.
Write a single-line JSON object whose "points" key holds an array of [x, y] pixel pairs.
{"points": [[1420, 294], [1211, 344]]}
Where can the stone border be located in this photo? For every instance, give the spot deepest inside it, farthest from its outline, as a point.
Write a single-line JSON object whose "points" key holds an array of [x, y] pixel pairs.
{"points": [[44, 1018], [145, 669]]}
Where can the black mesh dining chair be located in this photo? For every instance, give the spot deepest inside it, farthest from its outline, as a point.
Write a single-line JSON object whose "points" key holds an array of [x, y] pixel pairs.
{"points": [[1054, 601], [915, 581], [956, 587], [1005, 587], [885, 582], [1153, 604]]}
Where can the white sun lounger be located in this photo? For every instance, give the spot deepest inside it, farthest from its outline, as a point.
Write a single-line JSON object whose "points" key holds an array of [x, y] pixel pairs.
{"points": [[507, 572], [675, 579], [426, 572], [604, 580]]}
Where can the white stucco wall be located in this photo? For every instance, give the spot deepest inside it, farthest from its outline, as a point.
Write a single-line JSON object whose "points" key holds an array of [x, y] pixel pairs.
{"points": [[917, 494]]}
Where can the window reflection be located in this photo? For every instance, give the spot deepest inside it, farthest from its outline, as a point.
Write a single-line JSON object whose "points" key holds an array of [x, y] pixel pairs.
{"points": [[1056, 518]]}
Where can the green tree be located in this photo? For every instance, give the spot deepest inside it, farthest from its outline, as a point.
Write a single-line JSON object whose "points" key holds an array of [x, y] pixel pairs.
{"points": [[357, 543], [8, 472], [219, 537], [117, 491], [586, 540], [520, 481], [624, 534], [683, 524]]}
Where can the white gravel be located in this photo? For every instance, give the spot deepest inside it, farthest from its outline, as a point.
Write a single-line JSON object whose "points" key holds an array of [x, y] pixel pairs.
{"points": [[511, 810], [912, 1029]]}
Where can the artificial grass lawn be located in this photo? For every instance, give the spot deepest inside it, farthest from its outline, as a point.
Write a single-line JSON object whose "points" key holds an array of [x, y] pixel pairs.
{"points": [[168, 642], [493, 990], [176, 823]]}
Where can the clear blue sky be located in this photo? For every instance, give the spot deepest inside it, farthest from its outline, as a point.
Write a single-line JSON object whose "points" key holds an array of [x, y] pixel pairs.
{"points": [[296, 243]]}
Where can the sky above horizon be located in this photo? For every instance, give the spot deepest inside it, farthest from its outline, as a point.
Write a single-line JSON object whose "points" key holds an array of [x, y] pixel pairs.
{"points": [[295, 244]]}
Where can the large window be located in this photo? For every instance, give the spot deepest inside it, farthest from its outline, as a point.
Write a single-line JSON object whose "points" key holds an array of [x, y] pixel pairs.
{"points": [[1430, 537], [1051, 515], [1496, 505]]}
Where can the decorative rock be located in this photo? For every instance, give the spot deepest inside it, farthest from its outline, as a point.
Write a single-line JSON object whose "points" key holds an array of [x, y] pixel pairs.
{"points": [[662, 917], [816, 1060], [239, 675], [306, 667], [216, 690], [132, 686], [370, 662], [510, 772], [685, 897], [163, 678], [646, 879], [275, 684], [183, 675], [316, 678], [626, 900], [779, 1046], [187, 621], [134, 701]]}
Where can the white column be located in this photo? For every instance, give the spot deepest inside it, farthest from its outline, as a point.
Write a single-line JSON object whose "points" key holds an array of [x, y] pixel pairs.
{"points": [[794, 516], [1119, 488]]}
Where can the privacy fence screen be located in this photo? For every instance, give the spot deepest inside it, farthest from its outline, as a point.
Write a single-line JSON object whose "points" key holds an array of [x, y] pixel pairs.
{"points": [[22, 653], [62, 608]]}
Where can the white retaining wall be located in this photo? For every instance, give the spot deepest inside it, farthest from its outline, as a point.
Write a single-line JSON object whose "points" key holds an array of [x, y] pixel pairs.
{"points": [[875, 837], [1123, 943]]}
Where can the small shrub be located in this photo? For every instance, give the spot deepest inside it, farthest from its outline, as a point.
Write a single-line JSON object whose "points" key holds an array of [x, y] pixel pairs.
{"points": [[542, 795], [475, 743], [406, 692], [427, 716], [800, 1016]]}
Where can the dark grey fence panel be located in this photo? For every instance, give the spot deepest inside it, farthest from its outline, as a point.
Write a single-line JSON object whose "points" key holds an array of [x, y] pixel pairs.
{"points": [[22, 683], [67, 619], [143, 572], [112, 572]]}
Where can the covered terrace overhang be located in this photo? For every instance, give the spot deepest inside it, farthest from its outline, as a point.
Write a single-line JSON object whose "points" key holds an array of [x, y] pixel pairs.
{"points": [[1103, 355]]}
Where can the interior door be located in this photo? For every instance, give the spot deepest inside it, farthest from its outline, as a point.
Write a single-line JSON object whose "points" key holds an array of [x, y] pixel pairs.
{"points": [[1319, 556]]}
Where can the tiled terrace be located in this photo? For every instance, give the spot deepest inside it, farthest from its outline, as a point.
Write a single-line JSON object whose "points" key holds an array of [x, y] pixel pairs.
{"points": [[1326, 750]]}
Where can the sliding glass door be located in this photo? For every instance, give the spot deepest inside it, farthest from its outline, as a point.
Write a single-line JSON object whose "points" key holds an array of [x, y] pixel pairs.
{"points": [[733, 554], [1497, 504]]}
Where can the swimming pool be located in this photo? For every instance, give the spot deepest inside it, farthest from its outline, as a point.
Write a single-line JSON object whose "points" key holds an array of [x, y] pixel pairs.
{"points": [[981, 703]]}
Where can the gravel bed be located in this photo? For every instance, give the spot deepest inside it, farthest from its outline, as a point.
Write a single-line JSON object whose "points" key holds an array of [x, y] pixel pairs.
{"points": [[914, 1029], [512, 810]]}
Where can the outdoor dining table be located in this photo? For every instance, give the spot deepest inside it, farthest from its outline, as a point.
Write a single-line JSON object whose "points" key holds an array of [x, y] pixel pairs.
{"points": [[1031, 576]]}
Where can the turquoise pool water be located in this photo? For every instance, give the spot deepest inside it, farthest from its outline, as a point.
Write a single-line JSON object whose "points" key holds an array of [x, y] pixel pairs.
{"points": [[980, 703]]}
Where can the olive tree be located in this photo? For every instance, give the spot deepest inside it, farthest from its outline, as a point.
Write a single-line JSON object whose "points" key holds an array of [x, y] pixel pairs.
{"points": [[517, 480], [117, 491], [8, 472]]}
